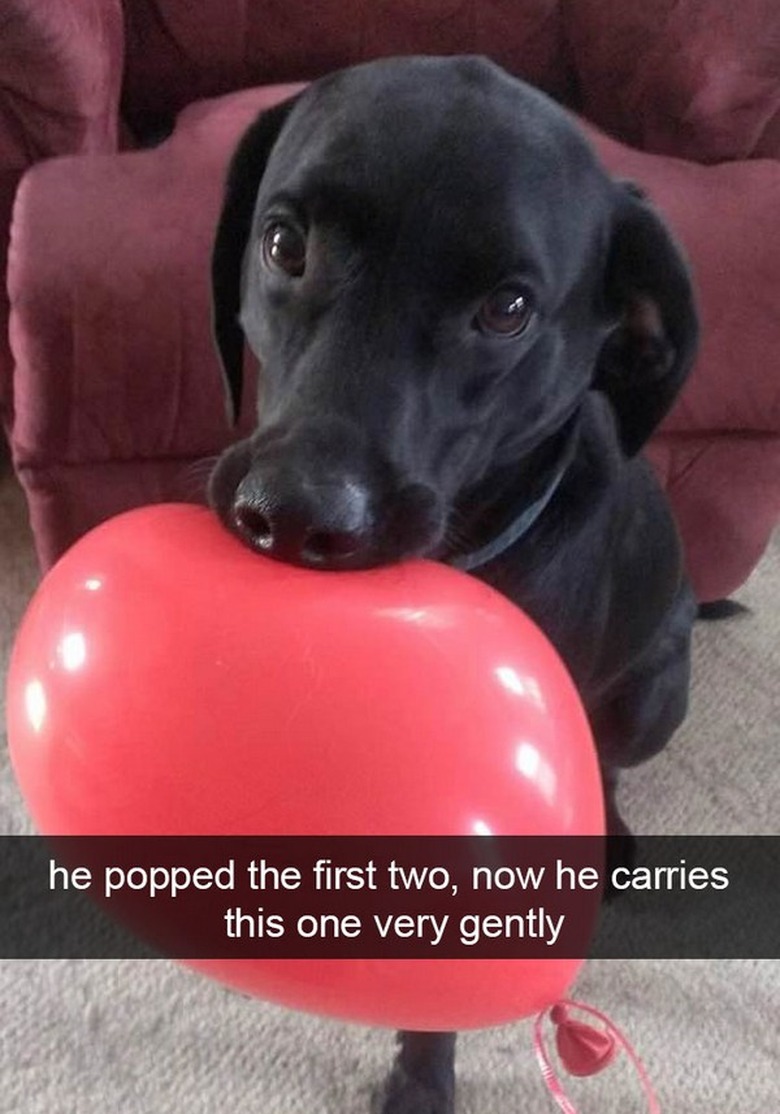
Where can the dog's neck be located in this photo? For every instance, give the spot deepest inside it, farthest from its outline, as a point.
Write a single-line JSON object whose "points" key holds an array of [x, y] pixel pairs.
{"points": [[509, 507]]}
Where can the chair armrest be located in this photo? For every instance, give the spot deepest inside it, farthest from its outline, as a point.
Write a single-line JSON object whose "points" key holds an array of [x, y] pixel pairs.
{"points": [[109, 287]]}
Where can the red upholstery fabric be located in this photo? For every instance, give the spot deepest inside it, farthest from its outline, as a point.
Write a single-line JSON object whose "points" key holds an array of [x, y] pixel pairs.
{"points": [[727, 218], [114, 301], [697, 78], [725, 492], [116, 385], [174, 58], [60, 76]]}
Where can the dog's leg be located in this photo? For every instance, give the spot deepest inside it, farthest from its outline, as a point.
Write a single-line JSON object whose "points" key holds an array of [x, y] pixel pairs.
{"points": [[721, 609], [621, 845], [615, 824], [640, 717], [422, 1080], [649, 702]]}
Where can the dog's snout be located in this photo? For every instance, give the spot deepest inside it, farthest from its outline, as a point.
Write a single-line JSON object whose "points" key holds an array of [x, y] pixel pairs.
{"points": [[321, 524]]}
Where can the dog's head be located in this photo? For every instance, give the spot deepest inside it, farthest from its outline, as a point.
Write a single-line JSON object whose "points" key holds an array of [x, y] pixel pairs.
{"points": [[432, 270]]}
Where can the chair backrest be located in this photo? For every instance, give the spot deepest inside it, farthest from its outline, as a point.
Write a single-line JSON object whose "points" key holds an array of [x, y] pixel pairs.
{"points": [[177, 51]]}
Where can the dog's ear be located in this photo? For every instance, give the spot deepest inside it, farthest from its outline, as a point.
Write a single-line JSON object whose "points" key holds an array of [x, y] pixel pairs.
{"points": [[235, 222], [647, 357]]}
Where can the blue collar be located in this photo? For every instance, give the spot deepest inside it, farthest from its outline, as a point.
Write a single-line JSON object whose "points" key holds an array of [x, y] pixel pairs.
{"points": [[520, 525]]}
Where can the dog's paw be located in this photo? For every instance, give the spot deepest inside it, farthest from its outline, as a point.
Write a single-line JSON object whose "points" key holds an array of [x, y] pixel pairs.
{"points": [[403, 1094], [716, 610]]}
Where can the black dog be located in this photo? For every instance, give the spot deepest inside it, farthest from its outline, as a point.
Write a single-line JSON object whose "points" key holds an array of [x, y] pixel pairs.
{"points": [[467, 331]]}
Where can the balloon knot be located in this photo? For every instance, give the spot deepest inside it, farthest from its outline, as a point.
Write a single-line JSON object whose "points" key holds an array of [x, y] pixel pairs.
{"points": [[583, 1049], [559, 1014]]}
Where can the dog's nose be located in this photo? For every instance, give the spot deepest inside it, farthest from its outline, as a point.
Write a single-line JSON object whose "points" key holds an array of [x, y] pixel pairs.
{"points": [[321, 524]]}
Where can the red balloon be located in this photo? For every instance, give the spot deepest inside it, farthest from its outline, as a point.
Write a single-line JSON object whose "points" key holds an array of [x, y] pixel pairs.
{"points": [[168, 681]]}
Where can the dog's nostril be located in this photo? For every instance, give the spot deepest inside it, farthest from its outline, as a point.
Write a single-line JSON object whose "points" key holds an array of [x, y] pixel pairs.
{"points": [[255, 525], [322, 546]]}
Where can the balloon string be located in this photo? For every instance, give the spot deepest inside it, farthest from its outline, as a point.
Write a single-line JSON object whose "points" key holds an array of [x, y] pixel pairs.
{"points": [[554, 1085]]}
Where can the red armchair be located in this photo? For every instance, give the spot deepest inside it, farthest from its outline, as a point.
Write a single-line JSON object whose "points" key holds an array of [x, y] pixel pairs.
{"points": [[115, 398]]}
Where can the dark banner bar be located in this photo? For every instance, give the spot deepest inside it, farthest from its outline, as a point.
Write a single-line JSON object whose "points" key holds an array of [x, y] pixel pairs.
{"points": [[478, 897]]}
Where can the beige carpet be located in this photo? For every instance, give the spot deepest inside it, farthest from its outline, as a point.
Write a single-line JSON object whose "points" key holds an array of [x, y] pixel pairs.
{"points": [[149, 1038]]}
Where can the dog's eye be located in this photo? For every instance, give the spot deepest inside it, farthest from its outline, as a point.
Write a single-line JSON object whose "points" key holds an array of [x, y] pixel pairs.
{"points": [[506, 312], [284, 249]]}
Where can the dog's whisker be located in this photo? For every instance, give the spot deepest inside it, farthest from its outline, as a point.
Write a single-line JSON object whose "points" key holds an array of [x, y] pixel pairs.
{"points": [[205, 463], [456, 532], [194, 476]]}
